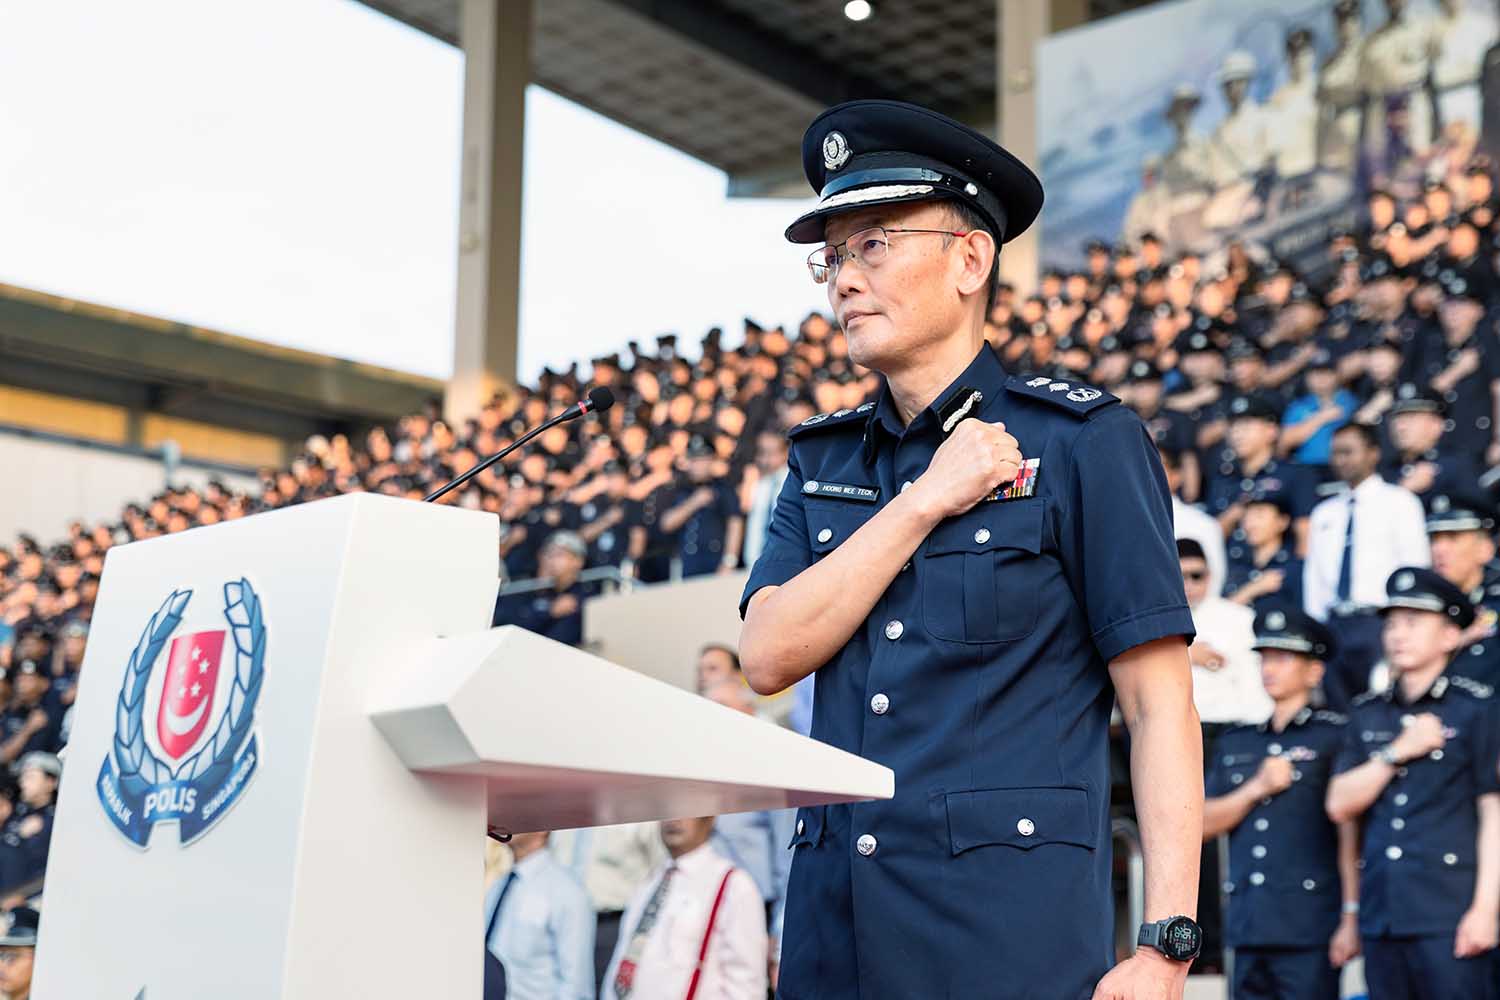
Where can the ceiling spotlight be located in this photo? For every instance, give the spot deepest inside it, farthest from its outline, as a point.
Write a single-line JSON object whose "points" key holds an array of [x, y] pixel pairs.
{"points": [[857, 10]]}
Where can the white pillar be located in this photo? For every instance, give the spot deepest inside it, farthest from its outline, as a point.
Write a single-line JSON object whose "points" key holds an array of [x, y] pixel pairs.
{"points": [[1020, 27], [496, 38]]}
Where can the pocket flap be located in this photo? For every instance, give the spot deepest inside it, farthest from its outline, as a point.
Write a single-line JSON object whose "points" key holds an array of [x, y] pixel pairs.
{"points": [[1019, 817], [809, 826], [830, 523], [991, 525]]}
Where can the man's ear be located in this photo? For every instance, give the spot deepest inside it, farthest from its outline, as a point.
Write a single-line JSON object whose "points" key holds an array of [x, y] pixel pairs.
{"points": [[978, 252]]}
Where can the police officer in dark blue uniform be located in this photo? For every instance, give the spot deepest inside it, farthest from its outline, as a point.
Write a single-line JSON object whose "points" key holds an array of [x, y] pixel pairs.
{"points": [[1254, 425], [705, 515], [1293, 892], [975, 566], [1422, 457], [1262, 569], [1461, 531], [1418, 769]]}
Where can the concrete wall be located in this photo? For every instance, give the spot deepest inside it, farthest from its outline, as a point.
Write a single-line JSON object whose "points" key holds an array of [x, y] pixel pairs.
{"points": [[50, 483]]}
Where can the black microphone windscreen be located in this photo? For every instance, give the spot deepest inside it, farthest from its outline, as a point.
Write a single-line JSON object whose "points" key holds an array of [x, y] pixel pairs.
{"points": [[600, 399]]}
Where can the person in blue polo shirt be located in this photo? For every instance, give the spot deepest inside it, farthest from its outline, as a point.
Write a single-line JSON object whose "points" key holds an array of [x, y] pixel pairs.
{"points": [[1293, 883], [975, 566], [1418, 770]]}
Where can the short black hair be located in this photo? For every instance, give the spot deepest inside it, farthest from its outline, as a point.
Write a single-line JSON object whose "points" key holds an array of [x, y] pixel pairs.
{"points": [[970, 220], [734, 658], [1189, 548], [1366, 431]]}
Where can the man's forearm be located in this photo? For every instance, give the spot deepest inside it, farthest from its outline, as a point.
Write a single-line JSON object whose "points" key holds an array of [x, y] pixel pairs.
{"points": [[1354, 791], [1225, 812], [798, 627], [1166, 771], [1487, 876]]}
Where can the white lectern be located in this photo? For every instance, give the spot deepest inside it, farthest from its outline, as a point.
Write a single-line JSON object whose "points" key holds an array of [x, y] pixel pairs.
{"points": [[292, 730]]}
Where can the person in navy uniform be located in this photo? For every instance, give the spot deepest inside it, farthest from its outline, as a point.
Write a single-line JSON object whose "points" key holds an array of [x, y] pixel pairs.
{"points": [[705, 515], [1461, 531], [1418, 769], [1422, 458], [1293, 881], [975, 566], [1254, 425], [1263, 570]]}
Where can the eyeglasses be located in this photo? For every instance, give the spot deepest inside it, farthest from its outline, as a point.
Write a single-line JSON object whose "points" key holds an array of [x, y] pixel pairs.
{"points": [[868, 246]]}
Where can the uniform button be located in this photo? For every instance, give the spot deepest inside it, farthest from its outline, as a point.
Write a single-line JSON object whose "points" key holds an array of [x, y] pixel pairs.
{"points": [[880, 704], [1256, 878], [893, 630], [981, 536], [1262, 824], [1309, 884], [1025, 827], [1450, 859], [1296, 775], [1258, 851], [1437, 755], [1266, 801], [1400, 772], [1398, 823], [1393, 852], [1274, 749], [906, 486], [800, 827], [865, 844], [906, 567], [1227, 887], [825, 534], [1235, 779], [1401, 799]]}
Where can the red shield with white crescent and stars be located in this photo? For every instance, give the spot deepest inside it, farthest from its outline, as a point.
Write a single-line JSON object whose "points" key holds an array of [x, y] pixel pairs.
{"points": [[187, 693]]}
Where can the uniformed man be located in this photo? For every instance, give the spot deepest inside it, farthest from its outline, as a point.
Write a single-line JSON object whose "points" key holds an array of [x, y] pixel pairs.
{"points": [[1292, 886], [1254, 426], [1263, 568], [1184, 173], [1339, 92], [1418, 769], [1240, 148], [1421, 458], [975, 567], [705, 515], [1293, 109], [1395, 70], [1461, 532]]}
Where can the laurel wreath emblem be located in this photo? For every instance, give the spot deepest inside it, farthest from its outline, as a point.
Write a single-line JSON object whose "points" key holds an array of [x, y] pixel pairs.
{"points": [[140, 769]]}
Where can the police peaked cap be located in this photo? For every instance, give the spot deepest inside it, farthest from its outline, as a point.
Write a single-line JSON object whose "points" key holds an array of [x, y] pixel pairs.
{"points": [[864, 153], [1425, 590]]}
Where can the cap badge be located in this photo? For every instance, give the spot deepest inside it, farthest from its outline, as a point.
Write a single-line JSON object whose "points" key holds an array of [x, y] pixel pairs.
{"points": [[1440, 505], [1404, 581], [1276, 620], [835, 150]]}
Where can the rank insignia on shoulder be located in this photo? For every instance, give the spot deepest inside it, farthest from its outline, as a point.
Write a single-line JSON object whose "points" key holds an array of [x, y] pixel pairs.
{"points": [[1476, 688], [838, 418], [1327, 715], [840, 491], [1024, 484], [1079, 399]]}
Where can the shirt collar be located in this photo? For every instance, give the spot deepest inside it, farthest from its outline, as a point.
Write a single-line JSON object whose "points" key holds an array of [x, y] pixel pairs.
{"points": [[698, 858], [984, 374], [1300, 719], [1436, 692], [529, 864]]}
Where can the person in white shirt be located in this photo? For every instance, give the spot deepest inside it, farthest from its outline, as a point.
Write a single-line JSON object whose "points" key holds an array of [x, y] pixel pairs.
{"points": [[695, 904], [1356, 540], [612, 862], [1226, 669], [539, 924], [771, 449], [1191, 522]]}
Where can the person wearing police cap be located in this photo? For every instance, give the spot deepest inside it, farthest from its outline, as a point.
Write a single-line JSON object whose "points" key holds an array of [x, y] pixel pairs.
{"points": [[1421, 457], [1463, 368], [556, 609], [1254, 427], [18, 951], [975, 566], [705, 516], [1460, 530], [1418, 770], [1293, 887], [1240, 147], [1263, 568]]}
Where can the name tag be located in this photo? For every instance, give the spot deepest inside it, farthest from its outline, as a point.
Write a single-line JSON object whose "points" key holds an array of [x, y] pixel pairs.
{"points": [[840, 491]]}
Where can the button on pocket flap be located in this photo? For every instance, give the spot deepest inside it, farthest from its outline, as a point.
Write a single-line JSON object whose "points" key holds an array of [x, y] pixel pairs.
{"points": [[809, 827], [829, 525], [989, 526], [1019, 817]]}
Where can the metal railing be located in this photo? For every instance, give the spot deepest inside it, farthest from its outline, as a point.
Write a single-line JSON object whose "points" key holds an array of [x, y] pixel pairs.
{"points": [[1123, 830]]}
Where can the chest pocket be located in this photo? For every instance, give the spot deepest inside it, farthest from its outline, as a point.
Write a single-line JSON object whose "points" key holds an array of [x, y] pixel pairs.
{"points": [[981, 573], [831, 522]]}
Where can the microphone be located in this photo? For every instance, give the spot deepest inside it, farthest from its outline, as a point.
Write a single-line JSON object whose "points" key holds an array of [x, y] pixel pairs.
{"points": [[598, 400]]}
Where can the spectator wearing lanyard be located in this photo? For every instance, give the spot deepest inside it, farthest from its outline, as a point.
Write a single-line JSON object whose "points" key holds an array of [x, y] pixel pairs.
{"points": [[697, 927]]}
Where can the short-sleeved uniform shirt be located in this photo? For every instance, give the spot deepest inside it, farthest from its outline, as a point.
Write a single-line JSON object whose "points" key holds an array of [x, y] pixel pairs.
{"points": [[1481, 659], [1419, 855], [1241, 569], [1231, 484], [1283, 885], [700, 540], [980, 678]]}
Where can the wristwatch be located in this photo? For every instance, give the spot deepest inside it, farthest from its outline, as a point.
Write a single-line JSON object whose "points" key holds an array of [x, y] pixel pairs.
{"points": [[1179, 938]]}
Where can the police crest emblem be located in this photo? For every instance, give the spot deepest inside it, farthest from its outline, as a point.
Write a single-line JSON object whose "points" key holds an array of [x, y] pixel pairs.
{"points": [[202, 720]]}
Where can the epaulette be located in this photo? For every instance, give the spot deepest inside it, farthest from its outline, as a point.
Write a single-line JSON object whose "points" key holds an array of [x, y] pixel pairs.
{"points": [[824, 421], [1470, 686], [1074, 397], [1367, 697], [1326, 715]]}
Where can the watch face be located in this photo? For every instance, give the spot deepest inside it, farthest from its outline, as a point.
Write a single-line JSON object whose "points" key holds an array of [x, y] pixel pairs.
{"points": [[1181, 940]]}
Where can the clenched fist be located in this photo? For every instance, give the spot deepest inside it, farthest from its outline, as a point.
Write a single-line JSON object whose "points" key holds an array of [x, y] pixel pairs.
{"points": [[975, 460]]}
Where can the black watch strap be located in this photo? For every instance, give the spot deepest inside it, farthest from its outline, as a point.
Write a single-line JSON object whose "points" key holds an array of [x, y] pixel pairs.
{"points": [[1177, 946]]}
